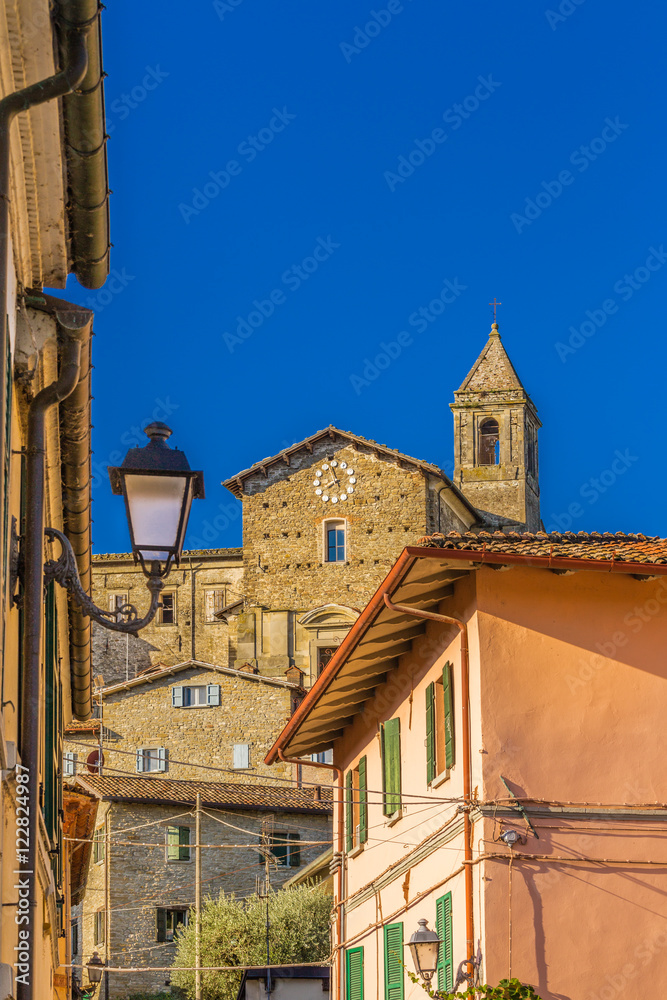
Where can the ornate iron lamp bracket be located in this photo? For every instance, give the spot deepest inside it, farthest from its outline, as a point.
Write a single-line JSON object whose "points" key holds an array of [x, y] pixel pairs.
{"points": [[124, 619]]}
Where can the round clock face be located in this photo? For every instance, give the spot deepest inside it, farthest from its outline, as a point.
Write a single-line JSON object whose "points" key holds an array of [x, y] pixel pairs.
{"points": [[334, 482]]}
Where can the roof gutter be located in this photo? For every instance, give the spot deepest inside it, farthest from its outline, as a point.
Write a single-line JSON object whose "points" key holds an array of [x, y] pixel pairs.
{"points": [[85, 148], [75, 321]]}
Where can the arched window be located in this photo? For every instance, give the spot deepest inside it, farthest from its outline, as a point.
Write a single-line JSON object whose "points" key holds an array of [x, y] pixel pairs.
{"points": [[334, 541], [489, 446]]}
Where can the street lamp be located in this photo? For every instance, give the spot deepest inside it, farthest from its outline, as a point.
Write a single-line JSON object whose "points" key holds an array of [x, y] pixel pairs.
{"points": [[95, 969], [159, 487], [425, 947]]}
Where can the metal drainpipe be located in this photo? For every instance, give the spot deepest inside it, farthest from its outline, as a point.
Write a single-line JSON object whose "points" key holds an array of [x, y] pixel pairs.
{"points": [[33, 587], [341, 843], [467, 777], [45, 90]]}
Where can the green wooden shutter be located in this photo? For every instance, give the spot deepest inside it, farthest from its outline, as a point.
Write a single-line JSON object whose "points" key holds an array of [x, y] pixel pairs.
{"points": [[363, 802], [349, 813], [443, 926], [393, 962], [391, 766], [354, 974], [50, 802], [449, 715], [161, 920], [184, 843], [294, 849], [430, 733]]}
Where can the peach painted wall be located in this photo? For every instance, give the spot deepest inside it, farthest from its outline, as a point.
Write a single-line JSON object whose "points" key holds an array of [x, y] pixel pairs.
{"points": [[568, 701], [573, 680]]}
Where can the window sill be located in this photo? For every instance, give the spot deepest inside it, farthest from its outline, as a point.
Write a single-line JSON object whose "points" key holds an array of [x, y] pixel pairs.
{"points": [[356, 851], [188, 707], [439, 779], [394, 818]]}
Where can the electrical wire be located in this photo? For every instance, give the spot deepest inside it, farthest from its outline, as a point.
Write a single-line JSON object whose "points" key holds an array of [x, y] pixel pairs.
{"points": [[259, 777]]}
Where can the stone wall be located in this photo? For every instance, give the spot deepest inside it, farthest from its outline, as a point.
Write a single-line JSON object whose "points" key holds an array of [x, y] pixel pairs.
{"points": [[118, 657], [284, 523], [252, 710], [140, 878]]}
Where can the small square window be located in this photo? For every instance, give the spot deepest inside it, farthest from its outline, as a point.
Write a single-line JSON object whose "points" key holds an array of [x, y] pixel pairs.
{"points": [[178, 843], [169, 919], [167, 613], [286, 848], [69, 764], [151, 759], [194, 695]]}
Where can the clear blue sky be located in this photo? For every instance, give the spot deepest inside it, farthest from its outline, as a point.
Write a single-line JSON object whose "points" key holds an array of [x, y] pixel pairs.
{"points": [[244, 134]]}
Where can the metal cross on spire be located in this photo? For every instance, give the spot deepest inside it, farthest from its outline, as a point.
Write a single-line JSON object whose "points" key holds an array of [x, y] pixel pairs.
{"points": [[495, 306]]}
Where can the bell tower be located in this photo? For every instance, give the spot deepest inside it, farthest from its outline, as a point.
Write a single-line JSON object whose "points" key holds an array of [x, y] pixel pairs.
{"points": [[495, 441]]}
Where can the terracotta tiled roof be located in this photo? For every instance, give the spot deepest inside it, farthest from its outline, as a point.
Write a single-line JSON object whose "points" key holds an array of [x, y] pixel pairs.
{"points": [[592, 545], [162, 791], [92, 726]]}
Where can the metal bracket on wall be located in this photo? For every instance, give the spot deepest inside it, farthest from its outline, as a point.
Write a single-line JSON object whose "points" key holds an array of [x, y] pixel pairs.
{"points": [[64, 571]]}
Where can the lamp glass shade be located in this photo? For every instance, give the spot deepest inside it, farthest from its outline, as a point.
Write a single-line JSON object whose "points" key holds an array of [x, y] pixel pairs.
{"points": [[95, 968], [425, 948], [158, 506], [159, 486]]}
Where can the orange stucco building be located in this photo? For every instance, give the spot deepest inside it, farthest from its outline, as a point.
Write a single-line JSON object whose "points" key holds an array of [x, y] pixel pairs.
{"points": [[496, 718]]}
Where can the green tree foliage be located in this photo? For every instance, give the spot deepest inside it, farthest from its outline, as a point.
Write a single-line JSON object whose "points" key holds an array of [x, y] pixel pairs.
{"points": [[234, 933]]}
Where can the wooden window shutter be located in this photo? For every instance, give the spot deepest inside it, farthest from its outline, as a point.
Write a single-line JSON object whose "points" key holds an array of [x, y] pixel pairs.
{"points": [[354, 974], [349, 813], [363, 801], [161, 921], [449, 715], [162, 759], [177, 697], [392, 766], [393, 962], [294, 850], [213, 694], [184, 843], [140, 760], [443, 927], [430, 734]]}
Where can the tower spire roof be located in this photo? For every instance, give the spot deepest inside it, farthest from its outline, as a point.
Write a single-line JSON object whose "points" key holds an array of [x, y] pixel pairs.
{"points": [[493, 371]]}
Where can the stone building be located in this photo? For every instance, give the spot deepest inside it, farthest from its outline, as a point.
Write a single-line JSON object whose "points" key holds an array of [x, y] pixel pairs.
{"points": [[141, 878], [178, 721]]}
